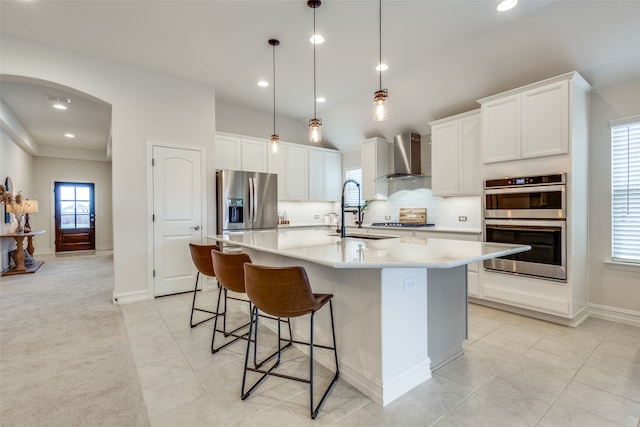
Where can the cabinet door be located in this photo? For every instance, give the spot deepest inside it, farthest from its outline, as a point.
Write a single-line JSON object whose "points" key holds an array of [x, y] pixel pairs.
{"points": [[254, 155], [374, 165], [228, 152], [501, 129], [332, 176], [277, 163], [316, 175], [444, 158], [469, 179], [545, 120], [297, 173]]}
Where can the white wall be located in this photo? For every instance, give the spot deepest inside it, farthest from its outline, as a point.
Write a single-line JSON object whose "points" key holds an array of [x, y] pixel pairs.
{"points": [[244, 121], [46, 171], [17, 164], [146, 106], [609, 287]]}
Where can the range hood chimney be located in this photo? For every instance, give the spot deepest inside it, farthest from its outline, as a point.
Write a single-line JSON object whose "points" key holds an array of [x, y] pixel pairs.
{"points": [[406, 156]]}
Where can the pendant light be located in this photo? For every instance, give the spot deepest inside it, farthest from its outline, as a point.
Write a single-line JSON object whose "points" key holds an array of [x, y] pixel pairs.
{"points": [[315, 124], [380, 106], [275, 138]]}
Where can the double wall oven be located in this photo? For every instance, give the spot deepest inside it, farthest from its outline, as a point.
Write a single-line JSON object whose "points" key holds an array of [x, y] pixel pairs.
{"points": [[528, 211]]}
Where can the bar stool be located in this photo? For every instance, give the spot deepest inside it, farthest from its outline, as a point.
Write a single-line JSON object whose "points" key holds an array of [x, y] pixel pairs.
{"points": [[201, 255], [285, 292], [229, 268]]}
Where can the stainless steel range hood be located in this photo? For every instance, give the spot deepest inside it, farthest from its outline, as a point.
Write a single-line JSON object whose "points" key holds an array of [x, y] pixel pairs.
{"points": [[407, 157]]}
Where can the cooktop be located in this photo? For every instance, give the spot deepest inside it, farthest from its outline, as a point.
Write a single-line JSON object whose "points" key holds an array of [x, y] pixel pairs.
{"points": [[401, 224]]}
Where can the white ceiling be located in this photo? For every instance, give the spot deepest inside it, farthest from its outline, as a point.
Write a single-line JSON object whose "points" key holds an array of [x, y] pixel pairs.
{"points": [[443, 55]]}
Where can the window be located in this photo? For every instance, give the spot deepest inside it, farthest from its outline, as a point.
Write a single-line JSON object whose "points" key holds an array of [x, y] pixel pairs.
{"points": [[75, 206], [625, 190], [351, 191]]}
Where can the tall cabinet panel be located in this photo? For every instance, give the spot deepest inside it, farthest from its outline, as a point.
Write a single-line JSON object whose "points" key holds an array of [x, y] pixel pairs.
{"points": [[332, 175], [316, 175], [501, 129]]}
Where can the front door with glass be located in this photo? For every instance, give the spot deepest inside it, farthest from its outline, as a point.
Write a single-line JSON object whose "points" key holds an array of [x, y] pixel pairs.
{"points": [[74, 216]]}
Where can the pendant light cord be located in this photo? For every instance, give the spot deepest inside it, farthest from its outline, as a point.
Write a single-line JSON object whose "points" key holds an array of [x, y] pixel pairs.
{"points": [[314, 63], [274, 89], [380, 39]]}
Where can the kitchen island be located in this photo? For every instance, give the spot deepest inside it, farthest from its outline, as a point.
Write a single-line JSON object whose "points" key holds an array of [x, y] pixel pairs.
{"points": [[400, 302]]}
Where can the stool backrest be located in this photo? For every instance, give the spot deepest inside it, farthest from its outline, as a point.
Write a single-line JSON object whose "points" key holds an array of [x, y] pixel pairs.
{"points": [[201, 255], [229, 269], [280, 291]]}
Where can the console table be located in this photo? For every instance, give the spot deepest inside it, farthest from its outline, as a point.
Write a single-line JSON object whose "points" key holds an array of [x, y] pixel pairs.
{"points": [[20, 267]]}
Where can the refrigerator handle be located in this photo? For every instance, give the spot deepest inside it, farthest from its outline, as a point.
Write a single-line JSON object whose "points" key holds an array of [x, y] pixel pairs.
{"points": [[251, 201]]}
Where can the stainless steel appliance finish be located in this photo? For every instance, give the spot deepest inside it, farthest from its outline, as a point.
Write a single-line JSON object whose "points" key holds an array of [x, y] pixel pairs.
{"points": [[528, 211], [526, 197], [406, 154], [547, 238], [246, 200]]}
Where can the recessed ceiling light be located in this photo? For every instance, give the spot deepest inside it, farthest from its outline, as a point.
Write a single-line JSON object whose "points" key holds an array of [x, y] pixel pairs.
{"points": [[505, 5], [320, 99], [59, 106], [382, 67], [69, 135], [316, 39], [263, 83]]}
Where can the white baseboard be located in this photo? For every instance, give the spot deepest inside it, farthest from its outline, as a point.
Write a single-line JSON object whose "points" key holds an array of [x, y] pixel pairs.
{"points": [[129, 297], [615, 314]]}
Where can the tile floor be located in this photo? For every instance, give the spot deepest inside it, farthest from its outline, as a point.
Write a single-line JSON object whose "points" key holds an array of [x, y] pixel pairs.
{"points": [[516, 371]]}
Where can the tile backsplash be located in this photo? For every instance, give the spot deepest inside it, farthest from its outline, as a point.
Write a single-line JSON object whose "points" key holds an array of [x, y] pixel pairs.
{"points": [[442, 211]]}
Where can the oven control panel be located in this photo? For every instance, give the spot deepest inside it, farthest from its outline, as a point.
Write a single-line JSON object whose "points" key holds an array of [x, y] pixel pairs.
{"points": [[525, 180]]}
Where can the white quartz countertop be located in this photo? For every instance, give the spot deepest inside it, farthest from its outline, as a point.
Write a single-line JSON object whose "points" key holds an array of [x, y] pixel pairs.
{"points": [[326, 248]]}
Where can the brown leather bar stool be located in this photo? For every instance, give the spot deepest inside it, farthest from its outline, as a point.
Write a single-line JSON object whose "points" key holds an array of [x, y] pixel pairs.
{"points": [[229, 268], [285, 292], [201, 255]]}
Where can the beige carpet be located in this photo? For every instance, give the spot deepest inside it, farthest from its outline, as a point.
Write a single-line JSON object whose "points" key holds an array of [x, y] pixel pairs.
{"points": [[65, 359]]}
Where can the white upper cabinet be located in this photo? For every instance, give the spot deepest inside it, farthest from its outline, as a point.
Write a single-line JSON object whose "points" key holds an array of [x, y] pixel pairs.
{"points": [[254, 155], [533, 121], [277, 163], [228, 152], [332, 176], [240, 153], [545, 120], [298, 175], [455, 157], [325, 171], [501, 129], [374, 165]]}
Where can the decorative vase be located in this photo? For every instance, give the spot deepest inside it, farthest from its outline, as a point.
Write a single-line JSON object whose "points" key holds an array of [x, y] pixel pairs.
{"points": [[19, 229]]}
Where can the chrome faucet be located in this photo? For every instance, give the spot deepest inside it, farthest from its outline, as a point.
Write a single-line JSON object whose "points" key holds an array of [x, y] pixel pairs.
{"points": [[343, 228]]}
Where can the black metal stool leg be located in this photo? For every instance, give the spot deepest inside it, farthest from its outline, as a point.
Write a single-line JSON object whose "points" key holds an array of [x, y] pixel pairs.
{"points": [[193, 306]]}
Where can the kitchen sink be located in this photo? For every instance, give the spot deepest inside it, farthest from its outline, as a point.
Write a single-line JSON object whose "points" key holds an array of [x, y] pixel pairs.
{"points": [[364, 236]]}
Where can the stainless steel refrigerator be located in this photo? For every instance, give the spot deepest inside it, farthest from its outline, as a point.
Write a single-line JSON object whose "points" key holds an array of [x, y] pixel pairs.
{"points": [[246, 200]]}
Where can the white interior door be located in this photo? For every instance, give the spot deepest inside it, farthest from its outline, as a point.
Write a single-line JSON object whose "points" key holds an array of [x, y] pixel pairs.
{"points": [[177, 186]]}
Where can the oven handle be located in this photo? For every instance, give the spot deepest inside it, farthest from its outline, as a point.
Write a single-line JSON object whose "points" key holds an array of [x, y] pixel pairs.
{"points": [[535, 189], [526, 223]]}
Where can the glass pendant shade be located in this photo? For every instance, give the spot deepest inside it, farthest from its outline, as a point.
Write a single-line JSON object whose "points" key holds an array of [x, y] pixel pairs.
{"points": [[315, 130], [381, 105], [275, 139]]}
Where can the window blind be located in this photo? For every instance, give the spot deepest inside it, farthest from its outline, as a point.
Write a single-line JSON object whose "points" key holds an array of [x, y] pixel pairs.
{"points": [[625, 191], [351, 191]]}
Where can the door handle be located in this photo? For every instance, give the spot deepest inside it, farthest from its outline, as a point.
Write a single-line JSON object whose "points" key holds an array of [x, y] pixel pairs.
{"points": [[197, 227]]}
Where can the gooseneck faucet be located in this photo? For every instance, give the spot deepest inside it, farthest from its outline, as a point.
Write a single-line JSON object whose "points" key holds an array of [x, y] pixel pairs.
{"points": [[343, 229]]}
